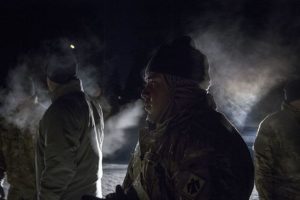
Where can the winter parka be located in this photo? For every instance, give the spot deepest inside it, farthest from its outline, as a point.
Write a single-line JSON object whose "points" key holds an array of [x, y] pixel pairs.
{"points": [[197, 154], [277, 155], [68, 150]]}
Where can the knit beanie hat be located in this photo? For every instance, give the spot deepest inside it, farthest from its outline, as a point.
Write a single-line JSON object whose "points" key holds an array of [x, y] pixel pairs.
{"points": [[62, 67], [292, 90], [179, 58]]}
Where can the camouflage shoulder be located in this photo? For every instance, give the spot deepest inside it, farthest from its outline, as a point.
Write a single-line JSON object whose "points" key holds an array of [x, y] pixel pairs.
{"points": [[190, 185], [269, 123], [271, 117]]}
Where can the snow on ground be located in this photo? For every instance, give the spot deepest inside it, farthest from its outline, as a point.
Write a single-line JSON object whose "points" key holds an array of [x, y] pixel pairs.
{"points": [[113, 174]]}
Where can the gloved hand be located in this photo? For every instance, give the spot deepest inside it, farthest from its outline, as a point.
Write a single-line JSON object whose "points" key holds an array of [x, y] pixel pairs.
{"points": [[118, 195]]}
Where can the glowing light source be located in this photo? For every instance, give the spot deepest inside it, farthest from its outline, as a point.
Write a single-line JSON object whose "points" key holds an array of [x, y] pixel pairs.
{"points": [[72, 46]]}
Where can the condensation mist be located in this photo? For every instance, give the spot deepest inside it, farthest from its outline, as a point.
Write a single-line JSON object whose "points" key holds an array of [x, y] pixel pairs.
{"points": [[117, 127], [242, 71], [248, 50], [26, 97], [24, 101]]}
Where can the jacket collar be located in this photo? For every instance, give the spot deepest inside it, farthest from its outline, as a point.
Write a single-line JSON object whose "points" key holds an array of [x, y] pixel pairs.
{"points": [[70, 87]]}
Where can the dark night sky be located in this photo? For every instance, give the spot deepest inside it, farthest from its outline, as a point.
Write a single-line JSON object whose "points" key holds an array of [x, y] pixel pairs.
{"points": [[129, 27], [128, 31]]}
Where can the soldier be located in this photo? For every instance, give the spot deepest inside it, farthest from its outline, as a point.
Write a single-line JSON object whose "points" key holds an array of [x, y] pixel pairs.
{"points": [[70, 136], [277, 150], [19, 123], [190, 151]]}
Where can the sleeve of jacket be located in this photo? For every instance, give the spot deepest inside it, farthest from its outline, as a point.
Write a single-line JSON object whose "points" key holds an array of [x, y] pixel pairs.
{"points": [[264, 161], [61, 140]]}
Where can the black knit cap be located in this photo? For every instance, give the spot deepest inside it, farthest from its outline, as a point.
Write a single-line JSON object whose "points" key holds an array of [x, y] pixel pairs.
{"points": [[292, 90], [179, 58], [62, 66]]}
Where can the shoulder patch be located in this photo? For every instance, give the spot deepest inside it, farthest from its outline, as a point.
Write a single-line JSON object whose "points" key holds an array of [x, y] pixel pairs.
{"points": [[193, 186]]}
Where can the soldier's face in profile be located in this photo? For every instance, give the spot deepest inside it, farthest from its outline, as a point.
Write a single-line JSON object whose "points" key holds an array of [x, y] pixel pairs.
{"points": [[155, 95]]}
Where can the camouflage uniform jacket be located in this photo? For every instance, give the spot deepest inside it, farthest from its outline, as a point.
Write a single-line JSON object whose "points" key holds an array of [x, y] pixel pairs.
{"points": [[69, 146], [17, 160], [277, 155], [196, 155]]}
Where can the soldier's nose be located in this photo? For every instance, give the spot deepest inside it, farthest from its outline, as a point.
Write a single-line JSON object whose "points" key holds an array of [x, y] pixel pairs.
{"points": [[144, 94]]}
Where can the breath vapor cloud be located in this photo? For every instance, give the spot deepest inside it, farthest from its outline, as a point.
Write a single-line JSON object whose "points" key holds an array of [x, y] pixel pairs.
{"points": [[242, 74], [117, 127], [20, 104]]}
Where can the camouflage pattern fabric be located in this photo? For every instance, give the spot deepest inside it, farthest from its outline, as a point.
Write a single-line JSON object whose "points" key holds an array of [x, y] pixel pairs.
{"points": [[17, 149], [197, 154], [277, 155]]}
